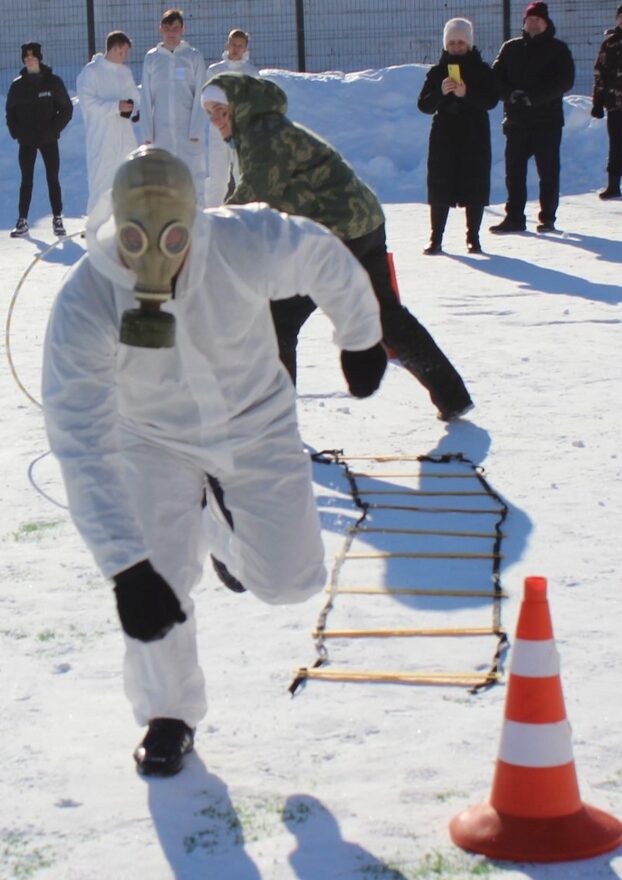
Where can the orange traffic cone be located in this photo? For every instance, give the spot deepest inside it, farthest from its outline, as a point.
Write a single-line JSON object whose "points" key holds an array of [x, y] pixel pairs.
{"points": [[535, 813]]}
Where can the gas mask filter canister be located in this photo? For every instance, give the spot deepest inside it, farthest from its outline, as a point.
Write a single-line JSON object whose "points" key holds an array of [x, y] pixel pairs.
{"points": [[154, 206]]}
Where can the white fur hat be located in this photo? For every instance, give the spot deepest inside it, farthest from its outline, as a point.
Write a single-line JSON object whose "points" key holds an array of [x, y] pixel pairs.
{"points": [[458, 29]]}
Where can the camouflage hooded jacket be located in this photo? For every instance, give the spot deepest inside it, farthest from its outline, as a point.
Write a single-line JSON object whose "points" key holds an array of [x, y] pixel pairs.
{"points": [[290, 167], [607, 92]]}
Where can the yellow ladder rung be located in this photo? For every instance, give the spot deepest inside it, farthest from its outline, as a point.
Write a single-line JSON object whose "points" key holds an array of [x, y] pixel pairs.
{"points": [[423, 474], [408, 591], [382, 554], [432, 532], [464, 679], [404, 633]]}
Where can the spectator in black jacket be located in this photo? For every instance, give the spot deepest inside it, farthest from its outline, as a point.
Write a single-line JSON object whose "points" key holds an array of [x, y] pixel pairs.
{"points": [[607, 96], [37, 109], [532, 72], [459, 91]]}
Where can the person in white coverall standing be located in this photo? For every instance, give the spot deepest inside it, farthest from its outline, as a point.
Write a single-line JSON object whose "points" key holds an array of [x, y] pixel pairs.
{"points": [[222, 159], [109, 102], [170, 111], [168, 453]]}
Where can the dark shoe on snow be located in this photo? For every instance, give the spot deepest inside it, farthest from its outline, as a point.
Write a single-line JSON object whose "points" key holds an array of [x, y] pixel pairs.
{"points": [[226, 577], [20, 228], [473, 246], [58, 227], [508, 225], [450, 415], [433, 247], [610, 193], [546, 226], [162, 750]]}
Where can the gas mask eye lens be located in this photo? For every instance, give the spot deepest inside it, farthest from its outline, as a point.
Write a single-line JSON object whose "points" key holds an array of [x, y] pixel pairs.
{"points": [[133, 239], [174, 239]]}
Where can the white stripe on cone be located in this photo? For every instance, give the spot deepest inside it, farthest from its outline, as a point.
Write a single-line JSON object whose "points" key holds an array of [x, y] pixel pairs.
{"points": [[536, 745], [534, 659]]}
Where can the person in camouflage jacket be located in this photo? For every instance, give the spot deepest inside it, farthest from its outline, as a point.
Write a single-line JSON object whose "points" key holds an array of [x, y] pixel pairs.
{"points": [[607, 95], [295, 171]]}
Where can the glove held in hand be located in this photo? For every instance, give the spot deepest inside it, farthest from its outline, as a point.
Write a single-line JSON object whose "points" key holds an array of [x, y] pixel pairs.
{"points": [[598, 111], [364, 369], [520, 98], [148, 608]]}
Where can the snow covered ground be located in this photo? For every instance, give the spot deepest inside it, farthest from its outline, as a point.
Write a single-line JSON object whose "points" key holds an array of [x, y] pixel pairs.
{"points": [[344, 780]]}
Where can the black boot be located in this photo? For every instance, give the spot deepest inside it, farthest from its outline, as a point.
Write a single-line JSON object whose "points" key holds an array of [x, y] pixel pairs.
{"points": [[438, 219], [419, 353], [474, 214], [434, 246], [613, 188], [162, 750]]}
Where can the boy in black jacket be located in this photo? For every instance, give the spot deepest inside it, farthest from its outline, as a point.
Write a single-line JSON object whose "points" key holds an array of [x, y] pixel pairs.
{"points": [[37, 109]]}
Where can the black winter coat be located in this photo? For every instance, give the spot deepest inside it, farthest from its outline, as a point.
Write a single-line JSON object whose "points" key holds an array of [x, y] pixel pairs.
{"points": [[37, 107], [543, 68], [607, 93], [459, 149]]}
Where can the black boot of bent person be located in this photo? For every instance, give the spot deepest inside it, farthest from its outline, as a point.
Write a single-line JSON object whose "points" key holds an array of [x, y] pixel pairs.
{"points": [[422, 357], [162, 749]]}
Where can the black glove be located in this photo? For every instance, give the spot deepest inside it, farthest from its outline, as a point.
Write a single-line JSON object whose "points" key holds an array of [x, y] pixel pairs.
{"points": [[147, 606], [598, 111], [364, 369], [520, 98]]}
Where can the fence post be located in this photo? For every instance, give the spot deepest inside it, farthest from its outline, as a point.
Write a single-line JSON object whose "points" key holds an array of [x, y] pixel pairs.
{"points": [[300, 35], [90, 27], [506, 20]]}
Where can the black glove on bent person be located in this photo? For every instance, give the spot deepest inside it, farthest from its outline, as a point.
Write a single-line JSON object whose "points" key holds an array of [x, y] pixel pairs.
{"points": [[598, 111], [147, 606], [364, 369]]}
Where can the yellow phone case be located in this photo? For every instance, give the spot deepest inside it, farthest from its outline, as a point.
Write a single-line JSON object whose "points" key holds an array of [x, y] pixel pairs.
{"points": [[454, 72]]}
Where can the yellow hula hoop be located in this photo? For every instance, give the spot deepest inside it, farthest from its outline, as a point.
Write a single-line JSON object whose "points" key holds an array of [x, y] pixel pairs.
{"points": [[7, 331]]}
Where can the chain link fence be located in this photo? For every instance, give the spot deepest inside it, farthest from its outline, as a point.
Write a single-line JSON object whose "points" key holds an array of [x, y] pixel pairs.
{"points": [[311, 35]]}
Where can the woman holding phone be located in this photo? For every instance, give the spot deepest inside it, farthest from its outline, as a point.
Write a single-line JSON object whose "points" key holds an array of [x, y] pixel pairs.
{"points": [[459, 91]]}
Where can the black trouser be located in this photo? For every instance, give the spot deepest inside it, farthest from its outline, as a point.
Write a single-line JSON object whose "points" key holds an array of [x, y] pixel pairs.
{"points": [[438, 219], [27, 156], [614, 130], [543, 144], [402, 332]]}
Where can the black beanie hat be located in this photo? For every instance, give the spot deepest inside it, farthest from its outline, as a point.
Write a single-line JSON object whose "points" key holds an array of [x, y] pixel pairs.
{"points": [[32, 48], [540, 10], [619, 12]]}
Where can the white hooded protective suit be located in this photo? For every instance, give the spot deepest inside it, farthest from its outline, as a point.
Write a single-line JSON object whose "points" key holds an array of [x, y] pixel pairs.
{"points": [[137, 430], [222, 159], [109, 136], [170, 111]]}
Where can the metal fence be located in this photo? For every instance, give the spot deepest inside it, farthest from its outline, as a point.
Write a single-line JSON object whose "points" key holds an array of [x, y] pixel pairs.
{"points": [[311, 35]]}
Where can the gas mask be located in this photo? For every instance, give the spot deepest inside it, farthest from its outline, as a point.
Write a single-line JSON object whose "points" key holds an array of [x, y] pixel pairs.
{"points": [[154, 206]]}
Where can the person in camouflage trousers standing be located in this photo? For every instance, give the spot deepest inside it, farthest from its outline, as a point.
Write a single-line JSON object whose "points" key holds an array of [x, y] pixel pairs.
{"points": [[295, 171], [607, 95]]}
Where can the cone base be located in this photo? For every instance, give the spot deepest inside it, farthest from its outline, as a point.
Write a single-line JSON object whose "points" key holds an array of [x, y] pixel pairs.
{"points": [[582, 835]]}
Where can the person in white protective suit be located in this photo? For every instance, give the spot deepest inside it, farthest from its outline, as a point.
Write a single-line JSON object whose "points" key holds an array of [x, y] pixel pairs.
{"points": [[170, 111], [222, 159], [173, 451], [109, 101]]}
